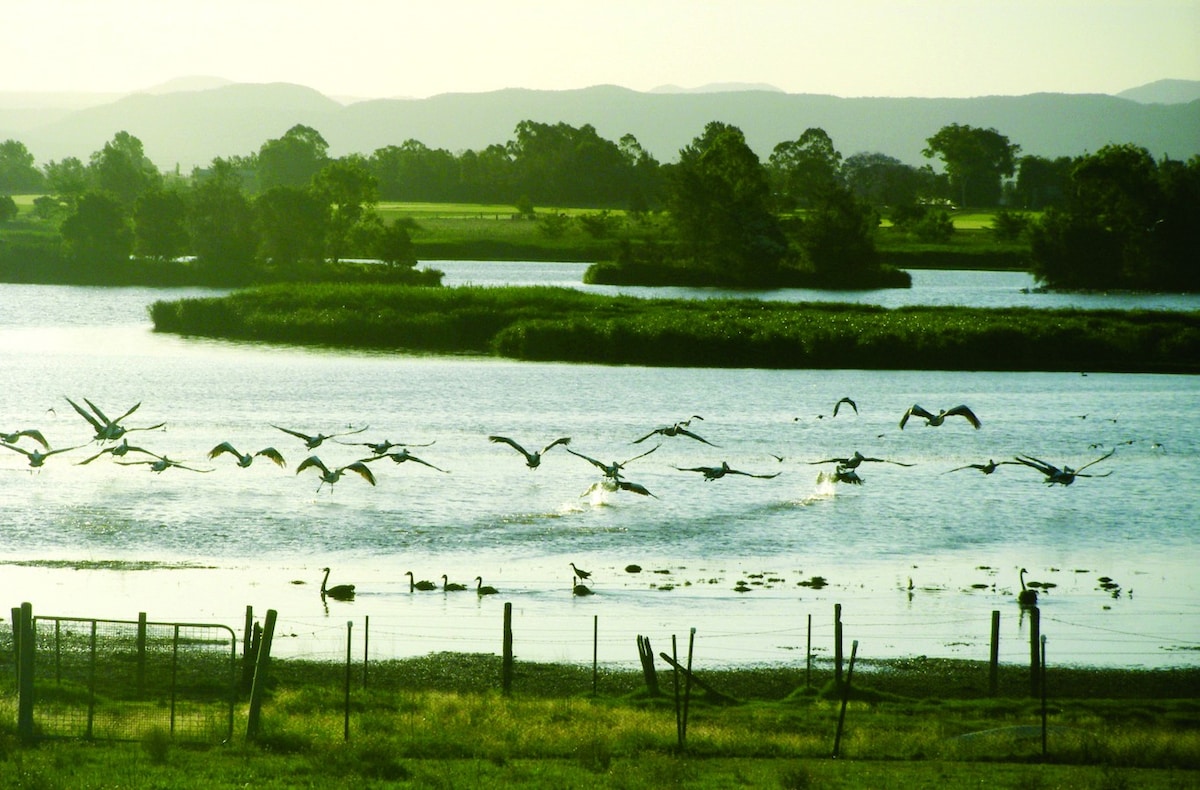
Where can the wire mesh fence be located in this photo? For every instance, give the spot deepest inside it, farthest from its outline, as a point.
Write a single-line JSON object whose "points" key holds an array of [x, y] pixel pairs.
{"points": [[121, 679]]}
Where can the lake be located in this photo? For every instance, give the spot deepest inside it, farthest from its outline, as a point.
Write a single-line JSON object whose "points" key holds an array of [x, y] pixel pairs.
{"points": [[918, 556]]}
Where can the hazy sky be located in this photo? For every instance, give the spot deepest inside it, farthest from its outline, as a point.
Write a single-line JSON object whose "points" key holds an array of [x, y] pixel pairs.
{"points": [[377, 48]]}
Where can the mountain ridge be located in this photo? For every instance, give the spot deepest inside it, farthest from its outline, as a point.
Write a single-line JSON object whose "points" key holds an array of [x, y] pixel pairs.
{"points": [[187, 128]]}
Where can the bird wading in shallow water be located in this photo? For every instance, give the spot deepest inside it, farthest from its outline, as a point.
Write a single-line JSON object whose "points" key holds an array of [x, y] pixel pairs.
{"points": [[532, 460], [339, 592], [934, 420], [1026, 598]]}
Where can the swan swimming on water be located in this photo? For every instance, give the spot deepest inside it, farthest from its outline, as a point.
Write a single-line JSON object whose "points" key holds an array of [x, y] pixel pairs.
{"points": [[338, 592]]}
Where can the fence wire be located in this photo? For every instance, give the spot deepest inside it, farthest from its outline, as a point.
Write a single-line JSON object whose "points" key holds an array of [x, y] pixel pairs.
{"points": [[121, 680]]}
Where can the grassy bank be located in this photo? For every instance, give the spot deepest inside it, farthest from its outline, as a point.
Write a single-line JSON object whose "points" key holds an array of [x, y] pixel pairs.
{"points": [[568, 325], [439, 721]]}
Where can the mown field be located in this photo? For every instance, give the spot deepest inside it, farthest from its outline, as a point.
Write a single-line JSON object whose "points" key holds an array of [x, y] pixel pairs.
{"points": [[440, 722], [559, 324]]}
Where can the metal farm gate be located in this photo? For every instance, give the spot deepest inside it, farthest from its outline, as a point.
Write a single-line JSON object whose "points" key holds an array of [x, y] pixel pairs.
{"points": [[122, 679]]}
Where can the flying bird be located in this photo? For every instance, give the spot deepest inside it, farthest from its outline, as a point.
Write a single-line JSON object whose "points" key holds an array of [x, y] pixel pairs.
{"points": [[401, 457], [532, 460], [338, 592], [1064, 476], [613, 470], [245, 459], [678, 429], [332, 476], [32, 433], [717, 472], [384, 447], [851, 403], [108, 430], [36, 457], [313, 442], [934, 420], [118, 451], [987, 468], [853, 461], [161, 464], [841, 475]]}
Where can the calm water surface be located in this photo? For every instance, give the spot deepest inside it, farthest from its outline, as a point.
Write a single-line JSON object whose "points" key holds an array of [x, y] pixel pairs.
{"points": [[108, 540]]}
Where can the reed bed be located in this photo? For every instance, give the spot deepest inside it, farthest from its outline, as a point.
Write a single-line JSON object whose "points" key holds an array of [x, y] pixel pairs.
{"points": [[562, 324]]}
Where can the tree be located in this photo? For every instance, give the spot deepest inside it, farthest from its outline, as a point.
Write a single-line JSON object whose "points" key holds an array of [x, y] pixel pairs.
{"points": [[882, 180], [1127, 222], [718, 198], [98, 231], [976, 160], [221, 222], [160, 225], [393, 244], [18, 174], [292, 160], [8, 208], [349, 190], [803, 170], [292, 225], [122, 169], [67, 179], [1042, 182], [837, 237]]}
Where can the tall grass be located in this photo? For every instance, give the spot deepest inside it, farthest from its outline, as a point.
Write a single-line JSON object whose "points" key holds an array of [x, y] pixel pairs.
{"points": [[542, 323]]}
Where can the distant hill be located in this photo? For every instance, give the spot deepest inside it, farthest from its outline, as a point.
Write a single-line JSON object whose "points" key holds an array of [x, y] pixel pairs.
{"points": [[188, 128], [1164, 92]]}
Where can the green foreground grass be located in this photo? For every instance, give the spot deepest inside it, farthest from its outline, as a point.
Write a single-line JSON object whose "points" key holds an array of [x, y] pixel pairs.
{"points": [[567, 325], [439, 722]]}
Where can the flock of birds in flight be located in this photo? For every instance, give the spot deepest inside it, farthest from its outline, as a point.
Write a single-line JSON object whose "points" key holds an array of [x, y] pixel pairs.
{"points": [[112, 436]]}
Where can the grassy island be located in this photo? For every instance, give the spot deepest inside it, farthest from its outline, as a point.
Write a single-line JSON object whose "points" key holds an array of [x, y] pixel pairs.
{"points": [[560, 324]]}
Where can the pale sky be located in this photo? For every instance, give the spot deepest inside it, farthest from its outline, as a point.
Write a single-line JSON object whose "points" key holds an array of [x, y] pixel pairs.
{"points": [[383, 48]]}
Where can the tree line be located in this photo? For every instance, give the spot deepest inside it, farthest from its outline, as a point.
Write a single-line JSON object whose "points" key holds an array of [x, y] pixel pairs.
{"points": [[1109, 219]]}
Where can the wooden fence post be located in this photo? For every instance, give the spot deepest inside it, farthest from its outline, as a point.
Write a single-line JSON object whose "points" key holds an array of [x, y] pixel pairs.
{"points": [[595, 651], [646, 654], [994, 671], [349, 643], [259, 688], [23, 628], [837, 740], [1035, 633], [141, 653], [808, 656], [507, 669], [837, 644]]}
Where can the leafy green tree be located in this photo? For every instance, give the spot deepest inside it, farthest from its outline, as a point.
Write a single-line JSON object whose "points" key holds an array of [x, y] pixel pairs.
{"points": [[803, 170], [718, 197], [8, 208], [68, 179], [393, 244], [1127, 222], [292, 225], [123, 170], [18, 173], [837, 237], [882, 180], [160, 225], [976, 161], [292, 160], [1042, 182], [413, 171], [221, 223], [97, 233], [350, 191]]}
